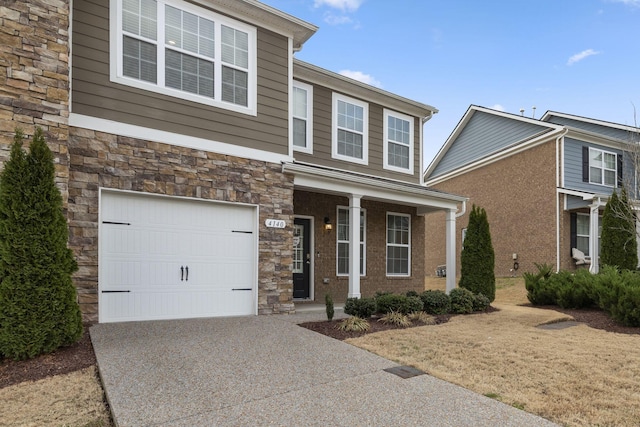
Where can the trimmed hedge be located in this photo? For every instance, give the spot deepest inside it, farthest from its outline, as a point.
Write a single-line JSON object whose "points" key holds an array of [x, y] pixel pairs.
{"points": [[461, 301], [391, 302], [360, 307], [435, 302], [615, 292]]}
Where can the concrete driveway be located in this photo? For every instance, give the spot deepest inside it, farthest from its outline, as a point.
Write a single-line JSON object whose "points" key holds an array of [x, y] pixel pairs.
{"points": [[266, 370]]}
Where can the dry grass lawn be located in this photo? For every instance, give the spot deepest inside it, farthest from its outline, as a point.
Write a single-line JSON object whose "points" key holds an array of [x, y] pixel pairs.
{"points": [[73, 399], [577, 376]]}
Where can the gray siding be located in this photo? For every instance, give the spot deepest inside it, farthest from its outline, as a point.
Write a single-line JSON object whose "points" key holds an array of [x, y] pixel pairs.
{"points": [[485, 134], [574, 202], [322, 115], [573, 167], [590, 127], [94, 95]]}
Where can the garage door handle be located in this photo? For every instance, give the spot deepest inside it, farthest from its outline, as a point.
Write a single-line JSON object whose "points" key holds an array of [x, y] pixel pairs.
{"points": [[187, 276], [181, 273], [241, 289]]}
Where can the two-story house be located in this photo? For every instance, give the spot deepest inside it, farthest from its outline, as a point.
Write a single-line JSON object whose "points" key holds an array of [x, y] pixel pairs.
{"points": [[205, 170], [544, 184]]}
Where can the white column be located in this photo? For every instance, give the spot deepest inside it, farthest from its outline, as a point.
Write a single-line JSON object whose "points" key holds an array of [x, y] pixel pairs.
{"points": [[593, 238], [451, 250], [354, 246]]}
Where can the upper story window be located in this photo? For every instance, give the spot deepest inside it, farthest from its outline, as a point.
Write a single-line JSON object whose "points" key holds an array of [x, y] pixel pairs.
{"points": [[302, 117], [602, 167], [178, 49], [398, 142], [350, 130]]}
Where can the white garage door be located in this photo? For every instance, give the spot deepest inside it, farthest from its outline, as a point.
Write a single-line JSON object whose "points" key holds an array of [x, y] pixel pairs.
{"points": [[168, 258]]}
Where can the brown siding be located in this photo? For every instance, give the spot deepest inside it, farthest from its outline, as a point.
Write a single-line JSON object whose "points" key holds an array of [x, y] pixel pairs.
{"points": [[95, 95], [322, 118], [322, 205], [519, 196]]}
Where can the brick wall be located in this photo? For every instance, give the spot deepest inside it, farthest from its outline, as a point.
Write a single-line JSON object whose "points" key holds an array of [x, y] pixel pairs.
{"points": [[320, 206], [519, 195], [111, 161], [34, 76]]}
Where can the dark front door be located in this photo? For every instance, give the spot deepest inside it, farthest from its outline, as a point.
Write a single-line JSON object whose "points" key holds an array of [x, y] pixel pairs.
{"points": [[301, 258]]}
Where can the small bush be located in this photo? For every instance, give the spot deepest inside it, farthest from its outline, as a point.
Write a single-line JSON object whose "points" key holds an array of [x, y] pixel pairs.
{"points": [[435, 302], [574, 290], [412, 294], [360, 307], [422, 317], [461, 301], [480, 302], [395, 318], [539, 292], [328, 301], [353, 324], [403, 304]]}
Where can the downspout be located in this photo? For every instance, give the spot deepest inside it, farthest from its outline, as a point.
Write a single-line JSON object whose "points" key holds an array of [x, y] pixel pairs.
{"points": [[464, 209], [559, 172]]}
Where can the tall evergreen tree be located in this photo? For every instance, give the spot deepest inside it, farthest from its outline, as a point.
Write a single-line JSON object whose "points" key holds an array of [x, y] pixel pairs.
{"points": [[39, 311], [478, 257], [618, 246]]}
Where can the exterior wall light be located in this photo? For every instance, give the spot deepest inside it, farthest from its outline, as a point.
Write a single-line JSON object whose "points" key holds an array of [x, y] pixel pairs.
{"points": [[327, 224]]}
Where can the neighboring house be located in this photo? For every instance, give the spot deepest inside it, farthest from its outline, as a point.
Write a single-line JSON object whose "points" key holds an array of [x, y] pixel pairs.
{"points": [[205, 171], [544, 184]]}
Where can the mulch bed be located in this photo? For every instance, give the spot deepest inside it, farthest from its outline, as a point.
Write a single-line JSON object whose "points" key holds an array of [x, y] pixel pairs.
{"points": [[62, 361], [80, 355]]}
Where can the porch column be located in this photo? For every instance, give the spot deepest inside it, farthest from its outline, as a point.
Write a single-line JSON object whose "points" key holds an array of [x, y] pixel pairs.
{"points": [[593, 237], [354, 246], [451, 250]]}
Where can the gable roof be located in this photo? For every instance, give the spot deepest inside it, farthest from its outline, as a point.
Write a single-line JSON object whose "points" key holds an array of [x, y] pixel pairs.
{"points": [[485, 135], [616, 131]]}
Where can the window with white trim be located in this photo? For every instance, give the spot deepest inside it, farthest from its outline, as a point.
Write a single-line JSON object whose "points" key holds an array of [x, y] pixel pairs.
{"points": [[302, 117], [350, 130], [398, 244], [342, 249], [603, 167], [398, 142], [182, 50], [583, 232]]}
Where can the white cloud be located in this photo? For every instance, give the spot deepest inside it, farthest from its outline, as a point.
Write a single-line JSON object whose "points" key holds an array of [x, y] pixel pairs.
{"points": [[582, 55], [332, 19], [361, 77], [343, 5], [632, 3], [498, 107]]}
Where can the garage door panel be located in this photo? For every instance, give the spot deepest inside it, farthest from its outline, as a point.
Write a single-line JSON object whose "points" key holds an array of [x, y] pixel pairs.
{"points": [[145, 241]]}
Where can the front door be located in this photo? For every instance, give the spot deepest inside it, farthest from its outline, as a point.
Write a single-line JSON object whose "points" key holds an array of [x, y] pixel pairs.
{"points": [[301, 258]]}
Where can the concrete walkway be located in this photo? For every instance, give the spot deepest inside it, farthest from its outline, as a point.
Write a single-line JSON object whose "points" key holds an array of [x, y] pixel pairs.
{"points": [[266, 370]]}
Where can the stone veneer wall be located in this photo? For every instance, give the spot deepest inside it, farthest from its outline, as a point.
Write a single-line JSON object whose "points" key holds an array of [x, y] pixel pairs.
{"points": [[34, 76], [111, 161]]}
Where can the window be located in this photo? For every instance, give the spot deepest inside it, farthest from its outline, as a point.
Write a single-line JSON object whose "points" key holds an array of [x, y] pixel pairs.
{"points": [[182, 50], [398, 244], [398, 142], [583, 232], [302, 120], [343, 242], [350, 138], [602, 167]]}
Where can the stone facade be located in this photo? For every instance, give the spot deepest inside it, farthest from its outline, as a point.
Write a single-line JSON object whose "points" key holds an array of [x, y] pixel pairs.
{"points": [[520, 200], [320, 206], [101, 160], [34, 76]]}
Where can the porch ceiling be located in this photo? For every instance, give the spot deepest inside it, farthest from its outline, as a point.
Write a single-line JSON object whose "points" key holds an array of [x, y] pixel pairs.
{"points": [[344, 183]]}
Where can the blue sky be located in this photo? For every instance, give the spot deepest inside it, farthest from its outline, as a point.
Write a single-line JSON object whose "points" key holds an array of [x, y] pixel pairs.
{"points": [[578, 57]]}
